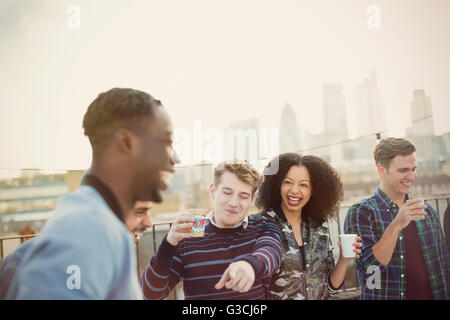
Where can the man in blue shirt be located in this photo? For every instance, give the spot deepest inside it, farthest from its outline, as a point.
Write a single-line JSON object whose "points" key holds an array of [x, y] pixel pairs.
{"points": [[85, 250], [136, 222]]}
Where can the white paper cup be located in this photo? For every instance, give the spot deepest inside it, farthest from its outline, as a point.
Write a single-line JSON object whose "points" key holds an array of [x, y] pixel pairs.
{"points": [[347, 241], [419, 210], [422, 201]]}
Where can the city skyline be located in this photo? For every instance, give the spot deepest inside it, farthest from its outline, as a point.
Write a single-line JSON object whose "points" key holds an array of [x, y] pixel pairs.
{"points": [[421, 113], [215, 62]]}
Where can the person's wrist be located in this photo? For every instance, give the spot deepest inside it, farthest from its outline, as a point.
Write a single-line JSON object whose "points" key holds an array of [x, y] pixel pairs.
{"points": [[254, 263], [395, 226], [171, 241], [344, 261]]}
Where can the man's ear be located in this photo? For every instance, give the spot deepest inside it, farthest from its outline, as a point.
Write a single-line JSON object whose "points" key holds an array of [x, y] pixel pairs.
{"points": [[381, 169], [253, 198], [125, 141], [212, 190]]}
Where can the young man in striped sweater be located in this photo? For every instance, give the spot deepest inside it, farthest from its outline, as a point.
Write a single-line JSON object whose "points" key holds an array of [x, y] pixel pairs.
{"points": [[235, 258]]}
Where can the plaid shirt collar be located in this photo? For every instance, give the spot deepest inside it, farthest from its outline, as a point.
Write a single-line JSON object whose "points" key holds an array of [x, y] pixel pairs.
{"points": [[385, 201]]}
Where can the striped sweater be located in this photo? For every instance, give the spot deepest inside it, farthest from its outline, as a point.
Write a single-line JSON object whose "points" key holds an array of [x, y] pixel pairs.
{"points": [[201, 262]]}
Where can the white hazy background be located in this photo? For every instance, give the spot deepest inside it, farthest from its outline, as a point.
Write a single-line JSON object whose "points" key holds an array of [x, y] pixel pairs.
{"points": [[209, 60]]}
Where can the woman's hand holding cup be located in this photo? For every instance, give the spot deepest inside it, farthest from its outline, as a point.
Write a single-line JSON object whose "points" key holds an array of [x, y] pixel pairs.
{"points": [[350, 246]]}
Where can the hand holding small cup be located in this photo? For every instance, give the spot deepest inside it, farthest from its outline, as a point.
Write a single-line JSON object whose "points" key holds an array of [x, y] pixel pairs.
{"points": [[349, 246], [181, 228]]}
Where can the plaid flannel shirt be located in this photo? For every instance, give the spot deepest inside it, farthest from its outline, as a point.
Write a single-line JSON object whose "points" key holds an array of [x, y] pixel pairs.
{"points": [[369, 218]]}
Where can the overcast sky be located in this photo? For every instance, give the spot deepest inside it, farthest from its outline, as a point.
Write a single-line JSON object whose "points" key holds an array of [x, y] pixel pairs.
{"points": [[210, 60]]}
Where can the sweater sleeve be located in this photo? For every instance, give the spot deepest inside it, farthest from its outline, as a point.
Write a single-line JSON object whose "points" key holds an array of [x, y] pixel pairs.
{"points": [[162, 273], [266, 256]]}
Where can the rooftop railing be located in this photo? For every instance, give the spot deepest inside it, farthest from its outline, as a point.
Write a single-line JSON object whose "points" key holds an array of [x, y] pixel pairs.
{"points": [[144, 252]]}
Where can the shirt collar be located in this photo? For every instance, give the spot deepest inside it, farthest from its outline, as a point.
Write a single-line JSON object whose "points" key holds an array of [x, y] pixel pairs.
{"points": [[243, 223], [384, 198], [106, 193]]}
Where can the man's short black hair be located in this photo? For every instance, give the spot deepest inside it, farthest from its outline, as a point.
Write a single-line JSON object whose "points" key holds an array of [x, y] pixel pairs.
{"points": [[115, 109]]}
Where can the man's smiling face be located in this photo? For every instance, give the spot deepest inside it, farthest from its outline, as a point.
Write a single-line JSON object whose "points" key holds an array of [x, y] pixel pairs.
{"points": [[232, 199], [399, 177]]}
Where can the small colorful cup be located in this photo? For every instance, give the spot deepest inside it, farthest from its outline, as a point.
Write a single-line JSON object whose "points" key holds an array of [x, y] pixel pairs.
{"points": [[198, 229], [347, 241]]}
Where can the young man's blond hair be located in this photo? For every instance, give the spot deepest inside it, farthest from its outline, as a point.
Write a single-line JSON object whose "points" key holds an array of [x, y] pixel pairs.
{"points": [[244, 171]]}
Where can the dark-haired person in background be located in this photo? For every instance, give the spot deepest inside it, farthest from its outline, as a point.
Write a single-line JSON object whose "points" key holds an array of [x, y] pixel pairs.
{"points": [[401, 237], [300, 197], [85, 250]]}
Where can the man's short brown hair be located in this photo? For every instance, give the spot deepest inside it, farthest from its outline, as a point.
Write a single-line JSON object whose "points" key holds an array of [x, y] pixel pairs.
{"points": [[244, 171], [387, 149]]}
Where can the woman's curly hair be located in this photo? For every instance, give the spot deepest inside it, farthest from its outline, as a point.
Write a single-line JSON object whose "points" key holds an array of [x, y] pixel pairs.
{"points": [[326, 186]]}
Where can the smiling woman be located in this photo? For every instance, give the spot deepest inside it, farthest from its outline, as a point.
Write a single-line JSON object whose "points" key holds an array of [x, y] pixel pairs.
{"points": [[323, 182], [303, 194]]}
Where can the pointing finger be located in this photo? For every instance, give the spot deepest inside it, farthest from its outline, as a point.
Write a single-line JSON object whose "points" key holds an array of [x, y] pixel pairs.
{"points": [[222, 281]]}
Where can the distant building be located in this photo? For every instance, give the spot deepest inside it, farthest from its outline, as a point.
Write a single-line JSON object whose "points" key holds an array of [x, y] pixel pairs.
{"points": [[421, 115], [188, 188], [431, 149], [369, 107], [289, 131], [329, 145], [242, 140], [334, 112], [446, 142], [29, 200]]}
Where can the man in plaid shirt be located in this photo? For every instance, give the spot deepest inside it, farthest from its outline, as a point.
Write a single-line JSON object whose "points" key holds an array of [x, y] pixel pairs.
{"points": [[404, 254]]}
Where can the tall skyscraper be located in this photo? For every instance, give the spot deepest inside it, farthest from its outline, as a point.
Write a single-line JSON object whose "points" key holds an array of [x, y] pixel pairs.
{"points": [[242, 140], [369, 107], [430, 148], [289, 131], [334, 112], [421, 115]]}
